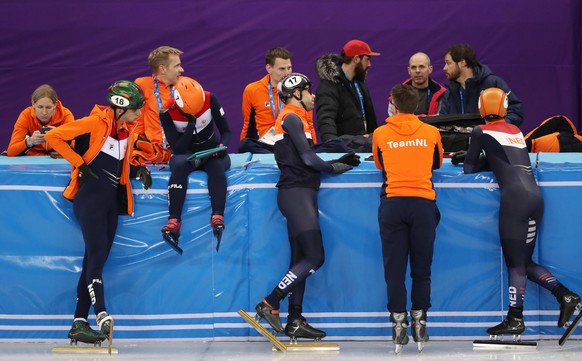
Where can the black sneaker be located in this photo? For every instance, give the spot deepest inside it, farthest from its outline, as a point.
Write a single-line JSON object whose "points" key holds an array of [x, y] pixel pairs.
{"points": [[568, 303], [509, 326]]}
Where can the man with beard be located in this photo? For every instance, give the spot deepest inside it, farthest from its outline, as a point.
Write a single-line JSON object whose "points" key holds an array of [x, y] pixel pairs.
{"points": [[467, 79], [344, 107], [429, 91]]}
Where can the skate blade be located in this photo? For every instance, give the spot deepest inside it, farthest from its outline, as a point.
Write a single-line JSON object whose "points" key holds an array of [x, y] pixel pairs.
{"points": [[316, 346], [278, 345], [504, 345], [218, 234], [110, 337], [170, 241], [85, 349], [571, 328], [398, 349]]}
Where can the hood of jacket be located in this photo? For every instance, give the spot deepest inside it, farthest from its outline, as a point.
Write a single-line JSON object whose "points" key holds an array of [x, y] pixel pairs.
{"points": [[327, 67], [404, 124]]}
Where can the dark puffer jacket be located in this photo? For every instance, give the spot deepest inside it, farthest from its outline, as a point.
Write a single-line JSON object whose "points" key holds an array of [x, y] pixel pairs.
{"points": [[338, 107], [483, 78]]}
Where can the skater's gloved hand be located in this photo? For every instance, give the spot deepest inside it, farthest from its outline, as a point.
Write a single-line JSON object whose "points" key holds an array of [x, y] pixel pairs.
{"points": [[85, 173], [458, 157], [350, 159], [339, 168], [190, 117], [220, 154], [144, 174]]}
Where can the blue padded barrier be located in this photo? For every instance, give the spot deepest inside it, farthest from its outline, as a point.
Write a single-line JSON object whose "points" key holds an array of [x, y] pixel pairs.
{"points": [[154, 293]]}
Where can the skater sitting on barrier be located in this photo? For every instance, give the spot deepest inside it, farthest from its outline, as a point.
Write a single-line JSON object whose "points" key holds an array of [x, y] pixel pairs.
{"points": [[298, 184], [100, 190], [189, 126], [501, 147], [407, 151]]}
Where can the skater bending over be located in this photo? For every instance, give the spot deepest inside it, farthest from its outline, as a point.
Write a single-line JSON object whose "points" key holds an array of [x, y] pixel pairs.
{"points": [[189, 126], [100, 190], [298, 185], [407, 151], [500, 147]]}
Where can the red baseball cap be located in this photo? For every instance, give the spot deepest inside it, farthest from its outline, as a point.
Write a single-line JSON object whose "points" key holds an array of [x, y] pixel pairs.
{"points": [[358, 47]]}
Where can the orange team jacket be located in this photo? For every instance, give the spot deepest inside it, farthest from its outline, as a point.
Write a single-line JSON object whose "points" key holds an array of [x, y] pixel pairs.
{"points": [[27, 123], [148, 124], [404, 149], [98, 124], [257, 111]]}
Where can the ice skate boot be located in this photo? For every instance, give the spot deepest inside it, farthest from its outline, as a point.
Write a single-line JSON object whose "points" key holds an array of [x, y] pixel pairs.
{"points": [[264, 310], [171, 234], [217, 224], [568, 304], [419, 333], [104, 323], [299, 328], [81, 331], [510, 326], [399, 330]]}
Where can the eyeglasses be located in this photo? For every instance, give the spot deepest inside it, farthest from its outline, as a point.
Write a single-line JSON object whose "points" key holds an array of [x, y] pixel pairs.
{"points": [[308, 88]]}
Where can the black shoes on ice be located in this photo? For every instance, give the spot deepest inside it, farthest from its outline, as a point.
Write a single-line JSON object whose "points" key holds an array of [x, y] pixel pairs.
{"points": [[509, 326], [81, 331], [299, 328]]}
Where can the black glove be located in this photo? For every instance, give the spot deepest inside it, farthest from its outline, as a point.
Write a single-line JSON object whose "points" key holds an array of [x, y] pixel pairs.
{"points": [[350, 159], [458, 157], [339, 168], [190, 117], [143, 174], [85, 173]]}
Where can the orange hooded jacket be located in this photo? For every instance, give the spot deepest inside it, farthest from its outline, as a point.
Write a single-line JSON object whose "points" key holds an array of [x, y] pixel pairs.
{"points": [[27, 123]]}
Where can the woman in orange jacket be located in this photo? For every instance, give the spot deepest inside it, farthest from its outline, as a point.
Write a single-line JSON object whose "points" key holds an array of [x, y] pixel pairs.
{"points": [[45, 113]]}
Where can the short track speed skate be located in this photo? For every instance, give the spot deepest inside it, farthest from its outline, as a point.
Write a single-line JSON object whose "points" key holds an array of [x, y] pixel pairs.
{"points": [[105, 323], [263, 331], [217, 224], [399, 330], [571, 327], [82, 332], [171, 234], [299, 328], [510, 326]]}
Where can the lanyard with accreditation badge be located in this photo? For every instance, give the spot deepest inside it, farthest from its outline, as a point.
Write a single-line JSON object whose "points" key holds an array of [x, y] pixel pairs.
{"points": [[159, 99], [272, 100]]}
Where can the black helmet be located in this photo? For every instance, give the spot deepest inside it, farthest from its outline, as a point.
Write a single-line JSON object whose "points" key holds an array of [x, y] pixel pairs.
{"points": [[291, 82], [125, 94]]}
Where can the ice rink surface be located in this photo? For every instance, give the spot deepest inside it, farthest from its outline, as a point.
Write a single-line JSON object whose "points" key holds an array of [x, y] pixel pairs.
{"points": [[261, 351]]}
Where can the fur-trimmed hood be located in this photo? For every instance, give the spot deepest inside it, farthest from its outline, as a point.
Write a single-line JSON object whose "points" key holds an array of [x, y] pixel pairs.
{"points": [[327, 67]]}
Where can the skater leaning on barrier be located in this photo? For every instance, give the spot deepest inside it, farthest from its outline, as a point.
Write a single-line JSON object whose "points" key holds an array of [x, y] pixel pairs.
{"points": [[407, 151], [298, 184], [100, 189], [189, 125], [500, 147]]}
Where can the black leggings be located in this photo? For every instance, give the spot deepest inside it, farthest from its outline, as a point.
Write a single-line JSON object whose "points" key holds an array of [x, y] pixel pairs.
{"points": [[178, 185], [299, 206]]}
